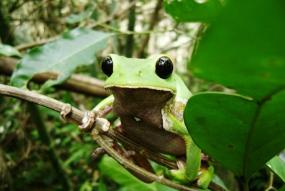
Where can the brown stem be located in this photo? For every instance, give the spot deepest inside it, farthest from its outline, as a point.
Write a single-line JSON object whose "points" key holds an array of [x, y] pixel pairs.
{"points": [[129, 46], [6, 35], [77, 83], [40, 99], [153, 21]]}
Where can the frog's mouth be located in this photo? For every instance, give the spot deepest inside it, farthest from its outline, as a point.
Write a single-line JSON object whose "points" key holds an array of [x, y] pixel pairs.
{"points": [[142, 104]]}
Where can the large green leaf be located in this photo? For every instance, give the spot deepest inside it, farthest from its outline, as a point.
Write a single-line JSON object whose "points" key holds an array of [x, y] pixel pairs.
{"points": [[192, 10], [75, 48], [244, 48], [236, 131], [110, 168]]}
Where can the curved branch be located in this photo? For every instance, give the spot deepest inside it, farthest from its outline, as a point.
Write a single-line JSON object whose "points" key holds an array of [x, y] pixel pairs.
{"points": [[129, 165], [40, 99], [77, 115]]}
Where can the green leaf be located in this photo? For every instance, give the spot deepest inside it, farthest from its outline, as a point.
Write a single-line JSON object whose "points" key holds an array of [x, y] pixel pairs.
{"points": [[244, 48], [6, 50], [110, 168], [193, 10], [75, 48], [236, 131], [217, 180], [277, 165]]}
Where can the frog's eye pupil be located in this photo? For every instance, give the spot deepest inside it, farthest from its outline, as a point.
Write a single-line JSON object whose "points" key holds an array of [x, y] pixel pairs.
{"points": [[164, 67], [107, 66]]}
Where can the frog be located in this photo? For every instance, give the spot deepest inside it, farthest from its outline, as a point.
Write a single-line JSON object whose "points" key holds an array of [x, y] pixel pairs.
{"points": [[149, 98]]}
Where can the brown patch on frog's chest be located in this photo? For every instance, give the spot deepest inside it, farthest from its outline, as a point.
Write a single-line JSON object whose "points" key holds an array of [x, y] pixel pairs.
{"points": [[140, 112]]}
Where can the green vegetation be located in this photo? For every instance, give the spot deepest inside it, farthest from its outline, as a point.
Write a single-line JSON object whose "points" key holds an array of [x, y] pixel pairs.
{"points": [[230, 54]]}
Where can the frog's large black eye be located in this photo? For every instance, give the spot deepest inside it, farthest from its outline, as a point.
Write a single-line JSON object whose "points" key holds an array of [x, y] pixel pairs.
{"points": [[164, 67], [107, 66]]}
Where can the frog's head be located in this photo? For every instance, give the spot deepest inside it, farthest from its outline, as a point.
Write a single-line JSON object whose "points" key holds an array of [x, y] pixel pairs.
{"points": [[150, 73], [141, 87]]}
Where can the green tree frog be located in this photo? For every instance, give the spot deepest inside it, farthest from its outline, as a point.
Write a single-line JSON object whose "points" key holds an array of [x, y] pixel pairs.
{"points": [[149, 98]]}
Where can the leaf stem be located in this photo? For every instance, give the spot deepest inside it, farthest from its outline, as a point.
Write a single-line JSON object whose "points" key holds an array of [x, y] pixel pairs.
{"points": [[129, 47]]}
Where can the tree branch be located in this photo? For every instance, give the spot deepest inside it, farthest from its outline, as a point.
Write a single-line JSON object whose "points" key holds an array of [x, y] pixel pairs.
{"points": [[129, 47], [129, 165], [76, 116], [77, 83], [6, 35], [153, 21]]}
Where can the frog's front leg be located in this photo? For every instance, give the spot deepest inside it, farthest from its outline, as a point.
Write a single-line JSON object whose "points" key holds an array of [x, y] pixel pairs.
{"points": [[204, 175], [190, 171], [193, 158]]}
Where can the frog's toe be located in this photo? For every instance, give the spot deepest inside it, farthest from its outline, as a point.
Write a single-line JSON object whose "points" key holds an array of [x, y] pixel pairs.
{"points": [[179, 175], [205, 177]]}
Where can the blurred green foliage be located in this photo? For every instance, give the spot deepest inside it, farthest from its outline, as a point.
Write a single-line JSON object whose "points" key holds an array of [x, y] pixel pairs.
{"points": [[235, 44]]}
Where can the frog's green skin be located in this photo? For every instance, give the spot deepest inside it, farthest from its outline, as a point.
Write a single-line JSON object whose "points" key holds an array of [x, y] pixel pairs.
{"points": [[151, 111]]}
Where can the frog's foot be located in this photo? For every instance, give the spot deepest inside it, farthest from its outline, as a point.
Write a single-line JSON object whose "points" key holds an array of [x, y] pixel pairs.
{"points": [[66, 111], [180, 173], [88, 121], [205, 177]]}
